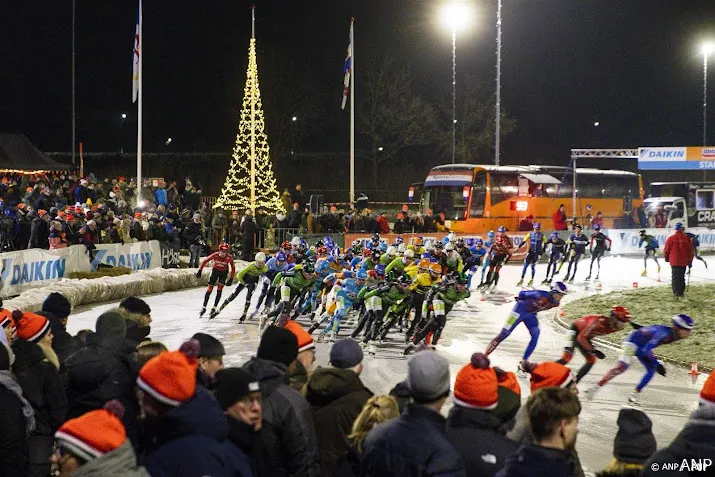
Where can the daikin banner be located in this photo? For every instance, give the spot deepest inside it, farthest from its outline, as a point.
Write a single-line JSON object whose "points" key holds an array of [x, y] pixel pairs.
{"points": [[676, 158]]}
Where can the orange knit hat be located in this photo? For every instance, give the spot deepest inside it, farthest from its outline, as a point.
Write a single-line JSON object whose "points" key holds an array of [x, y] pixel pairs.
{"points": [[6, 318], [305, 341], [30, 326], [508, 380], [707, 394], [476, 385], [170, 377], [95, 433], [549, 374]]}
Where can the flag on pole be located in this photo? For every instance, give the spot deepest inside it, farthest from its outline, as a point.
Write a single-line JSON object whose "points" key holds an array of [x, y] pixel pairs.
{"points": [[137, 52], [347, 68]]}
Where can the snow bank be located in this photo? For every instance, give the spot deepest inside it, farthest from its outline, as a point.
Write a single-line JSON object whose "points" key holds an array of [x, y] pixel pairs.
{"points": [[97, 290]]}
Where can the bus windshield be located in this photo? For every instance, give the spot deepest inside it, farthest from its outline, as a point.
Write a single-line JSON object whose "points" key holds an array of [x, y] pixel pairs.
{"points": [[447, 199]]}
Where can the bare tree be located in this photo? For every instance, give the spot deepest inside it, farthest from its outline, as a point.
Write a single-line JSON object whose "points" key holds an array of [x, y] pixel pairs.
{"points": [[390, 115]]}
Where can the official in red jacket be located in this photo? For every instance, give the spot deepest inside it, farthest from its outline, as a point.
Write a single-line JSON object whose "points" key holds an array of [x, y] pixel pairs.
{"points": [[559, 218], [678, 252]]}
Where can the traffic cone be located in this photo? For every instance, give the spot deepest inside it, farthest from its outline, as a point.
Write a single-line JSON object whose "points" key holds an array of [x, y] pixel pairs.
{"points": [[694, 370], [657, 279], [562, 313], [483, 298], [635, 284], [598, 285]]}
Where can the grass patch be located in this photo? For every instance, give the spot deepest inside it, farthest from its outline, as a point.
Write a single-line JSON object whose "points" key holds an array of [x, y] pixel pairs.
{"points": [[655, 305], [102, 272]]}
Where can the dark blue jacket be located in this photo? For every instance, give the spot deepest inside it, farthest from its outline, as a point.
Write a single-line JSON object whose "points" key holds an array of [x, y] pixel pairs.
{"points": [[192, 441], [537, 461], [413, 445]]}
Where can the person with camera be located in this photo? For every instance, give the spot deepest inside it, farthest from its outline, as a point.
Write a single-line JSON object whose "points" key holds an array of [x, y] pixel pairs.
{"points": [[194, 235]]}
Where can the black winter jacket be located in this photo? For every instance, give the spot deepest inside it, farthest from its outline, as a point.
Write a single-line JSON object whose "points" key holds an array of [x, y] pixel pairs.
{"points": [[536, 461], [101, 371], [474, 433], [39, 234], [249, 442], [40, 383], [413, 445], [336, 397], [288, 434], [695, 441], [64, 344], [13, 439]]}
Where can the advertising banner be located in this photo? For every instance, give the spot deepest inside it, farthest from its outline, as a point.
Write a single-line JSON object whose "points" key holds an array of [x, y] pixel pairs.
{"points": [[676, 158], [169, 255], [36, 267], [136, 255]]}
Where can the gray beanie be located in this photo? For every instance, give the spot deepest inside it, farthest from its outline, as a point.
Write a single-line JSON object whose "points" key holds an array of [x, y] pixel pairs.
{"points": [[428, 377], [111, 323]]}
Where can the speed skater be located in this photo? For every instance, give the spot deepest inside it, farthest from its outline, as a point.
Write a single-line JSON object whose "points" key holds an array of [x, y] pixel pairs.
{"points": [[535, 243], [222, 260], [247, 278]]}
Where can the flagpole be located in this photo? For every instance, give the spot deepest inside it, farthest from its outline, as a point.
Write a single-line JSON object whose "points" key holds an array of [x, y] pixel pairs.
{"points": [[352, 113], [139, 107], [253, 120]]}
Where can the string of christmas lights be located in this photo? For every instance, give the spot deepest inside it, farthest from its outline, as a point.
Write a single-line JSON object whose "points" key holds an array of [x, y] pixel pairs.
{"points": [[236, 192]]}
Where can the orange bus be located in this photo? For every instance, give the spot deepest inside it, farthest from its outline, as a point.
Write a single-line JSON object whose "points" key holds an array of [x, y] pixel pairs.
{"points": [[478, 198]]}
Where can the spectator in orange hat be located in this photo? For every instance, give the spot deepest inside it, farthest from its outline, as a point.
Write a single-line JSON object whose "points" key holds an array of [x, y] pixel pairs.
{"points": [[301, 368], [473, 425], [40, 230], [400, 226]]}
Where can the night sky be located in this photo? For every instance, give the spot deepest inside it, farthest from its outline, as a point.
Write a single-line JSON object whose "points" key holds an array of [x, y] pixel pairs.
{"points": [[632, 65]]}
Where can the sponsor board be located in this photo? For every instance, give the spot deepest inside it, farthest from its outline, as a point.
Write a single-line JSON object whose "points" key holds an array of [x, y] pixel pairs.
{"points": [[676, 158], [136, 256]]}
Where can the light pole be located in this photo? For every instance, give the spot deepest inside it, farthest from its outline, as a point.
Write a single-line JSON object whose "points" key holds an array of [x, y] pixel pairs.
{"points": [[121, 133], [707, 49], [497, 120], [454, 17]]}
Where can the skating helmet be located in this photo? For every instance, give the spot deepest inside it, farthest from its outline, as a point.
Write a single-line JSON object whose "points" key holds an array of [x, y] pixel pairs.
{"points": [[285, 245], [596, 227], [435, 269], [470, 242], [452, 237], [554, 235], [682, 320], [224, 247], [308, 267], [402, 248], [376, 254], [578, 227], [328, 242], [449, 247], [478, 242], [260, 258], [679, 226], [355, 242], [295, 241], [429, 245], [501, 229], [490, 234], [439, 246], [537, 226], [641, 233], [367, 252], [409, 253], [319, 243], [424, 264], [417, 241], [302, 248], [380, 270], [281, 256], [357, 249], [361, 274], [392, 251], [461, 243], [375, 237], [559, 287], [383, 247], [399, 240], [621, 313], [426, 256]]}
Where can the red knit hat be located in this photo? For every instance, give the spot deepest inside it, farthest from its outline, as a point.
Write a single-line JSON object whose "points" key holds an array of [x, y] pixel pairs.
{"points": [[6, 318], [170, 377], [305, 341], [549, 374], [41, 213], [508, 380], [707, 394], [476, 385], [95, 433], [30, 326]]}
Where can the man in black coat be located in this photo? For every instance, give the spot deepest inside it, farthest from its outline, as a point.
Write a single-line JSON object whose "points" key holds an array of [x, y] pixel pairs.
{"points": [[553, 417], [295, 218], [473, 425], [336, 396], [248, 237], [694, 443], [57, 308], [138, 317], [13, 438], [288, 433], [40, 231], [104, 370], [415, 444]]}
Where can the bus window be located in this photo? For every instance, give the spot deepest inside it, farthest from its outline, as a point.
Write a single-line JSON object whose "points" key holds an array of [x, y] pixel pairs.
{"points": [[447, 199], [705, 199], [479, 195], [679, 211], [504, 186]]}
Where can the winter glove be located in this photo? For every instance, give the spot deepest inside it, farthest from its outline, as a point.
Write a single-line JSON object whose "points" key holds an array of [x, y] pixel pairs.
{"points": [[229, 282], [660, 369], [198, 274], [599, 354]]}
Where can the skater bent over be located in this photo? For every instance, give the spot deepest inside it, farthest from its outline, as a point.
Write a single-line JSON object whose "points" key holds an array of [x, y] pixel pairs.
{"points": [[597, 251], [535, 243], [651, 249], [247, 278], [499, 254], [222, 260], [577, 247], [558, 248]]}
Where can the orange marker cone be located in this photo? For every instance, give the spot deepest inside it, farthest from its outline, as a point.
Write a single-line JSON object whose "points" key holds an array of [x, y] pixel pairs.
{"points": [[635, 284], [483, 298], [694, 370], [598, 285], [562, 312]]}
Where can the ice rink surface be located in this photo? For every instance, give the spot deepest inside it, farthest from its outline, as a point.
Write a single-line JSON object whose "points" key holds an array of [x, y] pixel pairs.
{"points": [[470, 327]]}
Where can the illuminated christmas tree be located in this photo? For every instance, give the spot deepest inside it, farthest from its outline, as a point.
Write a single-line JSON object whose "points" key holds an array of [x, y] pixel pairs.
{"points": [[250, 182]]}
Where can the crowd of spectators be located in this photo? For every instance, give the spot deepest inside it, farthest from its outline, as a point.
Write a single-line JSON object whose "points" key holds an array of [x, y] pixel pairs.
{"points": [[111, 401]]}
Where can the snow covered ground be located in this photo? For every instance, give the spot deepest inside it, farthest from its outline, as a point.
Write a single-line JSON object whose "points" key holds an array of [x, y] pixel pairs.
{"points": [[471, 325]]}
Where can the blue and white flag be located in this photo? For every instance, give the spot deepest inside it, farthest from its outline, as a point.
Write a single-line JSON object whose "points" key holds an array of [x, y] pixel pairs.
{"points": [[348, 67]]}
